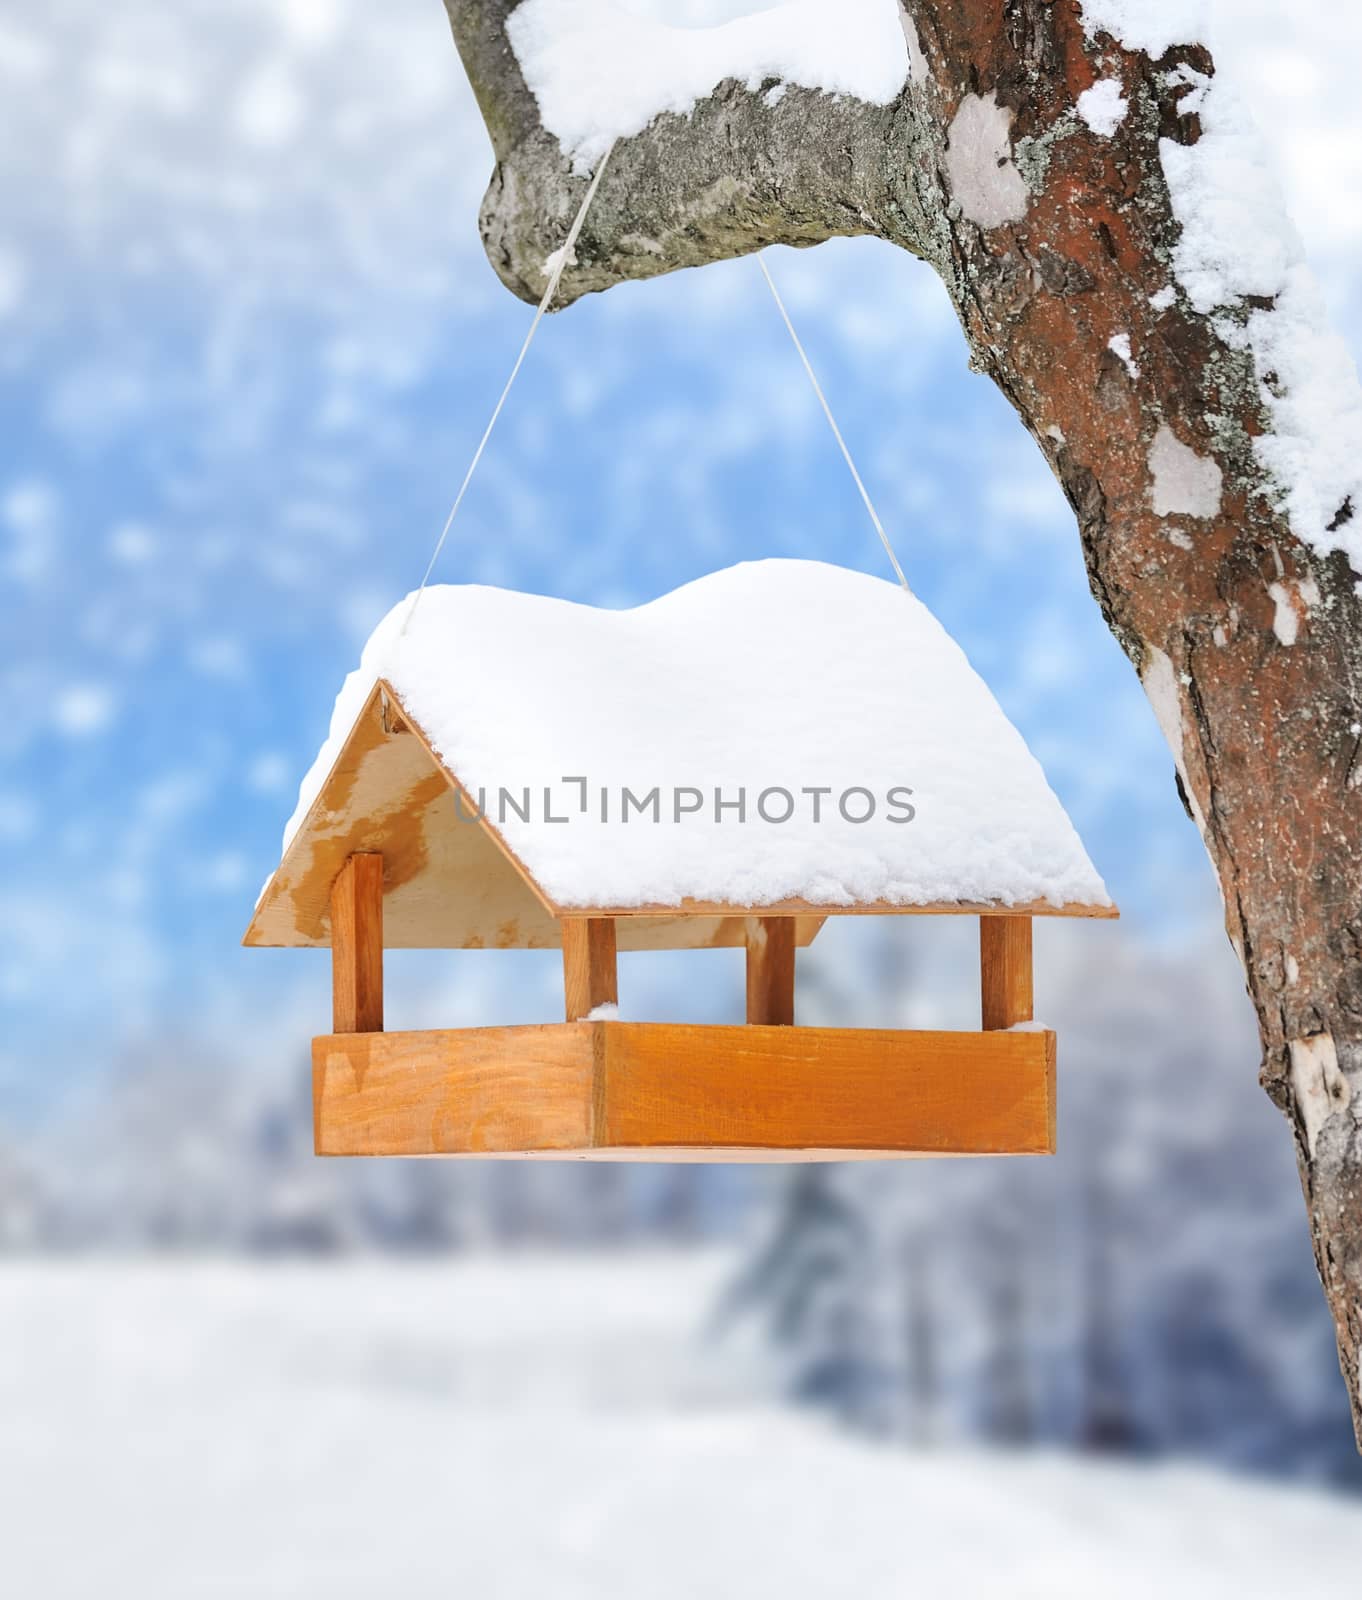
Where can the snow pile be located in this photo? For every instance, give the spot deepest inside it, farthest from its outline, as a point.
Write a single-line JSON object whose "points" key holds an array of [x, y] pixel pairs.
{"points": [[1238, 246], [1103, 107], [1315, 448], [869, 759], [1119, 345], [1149, 25], [600, 73], [1237, 242], [1236, 237]]}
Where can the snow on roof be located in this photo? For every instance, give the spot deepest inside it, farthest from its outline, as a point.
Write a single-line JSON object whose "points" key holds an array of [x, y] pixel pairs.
{"points": [[778, 686], [600, 73]]}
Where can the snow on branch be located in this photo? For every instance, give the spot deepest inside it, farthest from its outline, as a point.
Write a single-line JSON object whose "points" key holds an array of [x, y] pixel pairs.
{"points": [[1240, 262], [600, 73]]}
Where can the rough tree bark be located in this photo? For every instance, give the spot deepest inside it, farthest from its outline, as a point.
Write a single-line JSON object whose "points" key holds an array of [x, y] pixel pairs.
{"points": [[1050, 240]]}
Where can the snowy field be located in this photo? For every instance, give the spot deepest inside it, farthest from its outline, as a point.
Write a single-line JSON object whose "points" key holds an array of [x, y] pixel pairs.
{"points": [[534, 1427]]}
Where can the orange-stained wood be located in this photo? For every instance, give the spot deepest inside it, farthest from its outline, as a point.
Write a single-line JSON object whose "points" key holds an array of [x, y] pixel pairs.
{"points": [[357, 946], [771, 970], [478, 1091], [1005, 971], [590, 978], [674, 1092]]}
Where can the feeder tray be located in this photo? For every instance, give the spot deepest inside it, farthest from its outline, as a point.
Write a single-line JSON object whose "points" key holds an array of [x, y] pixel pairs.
{"points": [[597, 1090]]}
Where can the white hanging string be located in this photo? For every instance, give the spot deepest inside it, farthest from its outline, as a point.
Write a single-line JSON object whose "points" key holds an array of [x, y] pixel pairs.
{"points": [[832, 423], [556, 263]]}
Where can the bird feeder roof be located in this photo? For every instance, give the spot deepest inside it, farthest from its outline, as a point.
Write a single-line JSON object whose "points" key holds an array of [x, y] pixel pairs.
{"points": [[794, 738]]}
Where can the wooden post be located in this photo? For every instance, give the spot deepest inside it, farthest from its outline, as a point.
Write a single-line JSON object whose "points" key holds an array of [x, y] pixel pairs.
{"points": [[590, 978], [357, 946], [771, 970], [1005, 970]]}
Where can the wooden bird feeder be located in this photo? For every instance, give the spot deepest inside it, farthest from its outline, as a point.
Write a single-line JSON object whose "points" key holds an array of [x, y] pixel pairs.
{"points": [[397, 848]]}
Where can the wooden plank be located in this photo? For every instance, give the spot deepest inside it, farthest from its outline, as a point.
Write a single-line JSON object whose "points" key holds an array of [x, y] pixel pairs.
{"points": [[469, 805], [771, 970], [1005, 971], [448, 884], [590, 977], [478, 1091], [684, 932], [669, 1092], [357, 946], [800, 1089]]}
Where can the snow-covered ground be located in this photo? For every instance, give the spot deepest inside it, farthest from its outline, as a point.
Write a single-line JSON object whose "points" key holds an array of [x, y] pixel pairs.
{"points": [[535, 1427]]}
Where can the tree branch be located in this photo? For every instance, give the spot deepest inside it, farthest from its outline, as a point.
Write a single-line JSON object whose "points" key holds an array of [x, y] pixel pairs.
{"points": [[736, 175]]}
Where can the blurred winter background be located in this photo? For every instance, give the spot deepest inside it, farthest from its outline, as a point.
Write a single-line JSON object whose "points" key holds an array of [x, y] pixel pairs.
{"points": [[247, 340]]}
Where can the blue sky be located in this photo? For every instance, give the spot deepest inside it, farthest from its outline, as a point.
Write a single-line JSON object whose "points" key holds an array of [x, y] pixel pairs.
{"points": [[247, 342]]}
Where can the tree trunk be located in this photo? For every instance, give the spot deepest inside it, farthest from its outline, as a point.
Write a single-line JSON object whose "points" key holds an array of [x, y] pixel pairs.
{"points": [[1054, 240]]}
